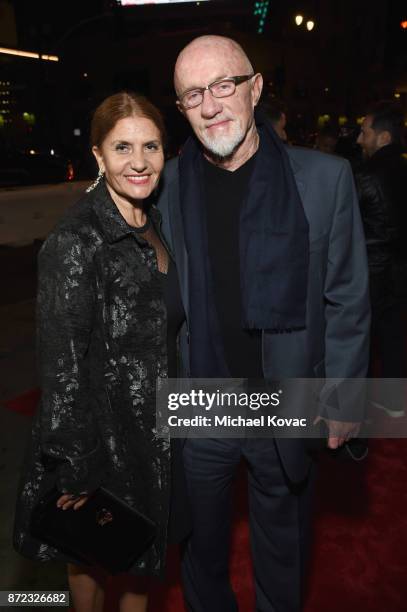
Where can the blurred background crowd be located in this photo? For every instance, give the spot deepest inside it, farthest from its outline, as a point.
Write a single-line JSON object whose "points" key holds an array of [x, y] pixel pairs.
{"points": [[323, 61]]}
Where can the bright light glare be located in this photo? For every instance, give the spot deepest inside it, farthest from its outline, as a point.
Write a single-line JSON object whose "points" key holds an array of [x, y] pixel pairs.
{"points": [[29, 54], [310, 25], [299, 19], [50, 58]]}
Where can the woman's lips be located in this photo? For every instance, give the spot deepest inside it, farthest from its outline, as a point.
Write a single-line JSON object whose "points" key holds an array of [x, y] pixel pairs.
{"points": [[138, 180]]}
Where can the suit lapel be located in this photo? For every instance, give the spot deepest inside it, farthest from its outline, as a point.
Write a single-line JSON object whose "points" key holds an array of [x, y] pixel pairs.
{"points": [[298, 175]]}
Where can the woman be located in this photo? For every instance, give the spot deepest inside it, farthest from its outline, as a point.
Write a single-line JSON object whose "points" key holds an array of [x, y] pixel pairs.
{"points": [[108, 304]]}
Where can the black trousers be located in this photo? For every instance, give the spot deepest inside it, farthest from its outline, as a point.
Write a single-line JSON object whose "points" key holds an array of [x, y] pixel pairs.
{"points": [[279, 526]]}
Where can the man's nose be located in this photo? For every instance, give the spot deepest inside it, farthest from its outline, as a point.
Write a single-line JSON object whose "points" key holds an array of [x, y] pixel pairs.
{"points": [[210, 105]]}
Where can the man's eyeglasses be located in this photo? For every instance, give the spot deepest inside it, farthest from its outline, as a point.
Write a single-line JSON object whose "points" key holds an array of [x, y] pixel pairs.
{"points": [[219, 89]]}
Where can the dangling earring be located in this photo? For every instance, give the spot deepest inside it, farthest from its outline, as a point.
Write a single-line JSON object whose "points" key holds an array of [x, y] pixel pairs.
{"points": [[96, 181]]}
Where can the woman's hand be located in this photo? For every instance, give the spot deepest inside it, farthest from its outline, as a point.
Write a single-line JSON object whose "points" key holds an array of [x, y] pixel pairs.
{"points": [[68, 501]]}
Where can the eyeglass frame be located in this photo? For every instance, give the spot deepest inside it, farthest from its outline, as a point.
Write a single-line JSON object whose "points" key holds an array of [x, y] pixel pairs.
{"points": [[237, 80]]}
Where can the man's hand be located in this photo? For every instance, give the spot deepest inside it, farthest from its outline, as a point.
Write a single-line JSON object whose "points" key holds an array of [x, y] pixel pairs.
{"points": [[339, 431], [68, 501]]}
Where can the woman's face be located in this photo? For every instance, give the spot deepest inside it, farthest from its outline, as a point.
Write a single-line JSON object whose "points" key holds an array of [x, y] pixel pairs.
{"points": [[132, 158]]}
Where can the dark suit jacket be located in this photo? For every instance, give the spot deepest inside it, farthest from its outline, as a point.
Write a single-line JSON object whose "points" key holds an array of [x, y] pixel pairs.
{"points": [[335, 343]]}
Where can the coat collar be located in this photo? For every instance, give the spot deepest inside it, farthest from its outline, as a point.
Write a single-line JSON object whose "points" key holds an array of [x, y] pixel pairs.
{"points": [[114, 226], [298, 172], [296, 167], [384, 154], [261, 118]]}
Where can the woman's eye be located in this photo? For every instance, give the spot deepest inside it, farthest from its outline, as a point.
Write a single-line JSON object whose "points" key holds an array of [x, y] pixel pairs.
{"points": [[152, 146], [122, 148]]}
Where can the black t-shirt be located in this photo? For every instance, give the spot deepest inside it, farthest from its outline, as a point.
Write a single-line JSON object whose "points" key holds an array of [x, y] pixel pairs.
{"points": [[225, 192]]}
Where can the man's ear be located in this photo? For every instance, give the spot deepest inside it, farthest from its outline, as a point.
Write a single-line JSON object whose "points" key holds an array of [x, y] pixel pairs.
{"points": [[99, 157], [384, 138], [257, 88]]}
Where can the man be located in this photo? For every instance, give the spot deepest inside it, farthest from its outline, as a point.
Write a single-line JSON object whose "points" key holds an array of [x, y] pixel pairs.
{"points": [[326, 139], [382, 187], [276, 113], [272, 266]]}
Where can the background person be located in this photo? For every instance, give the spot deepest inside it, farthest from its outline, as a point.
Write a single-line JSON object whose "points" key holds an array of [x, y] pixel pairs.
{"points": [[276, 112], [108, 304], [327, 139], [382, 189]]}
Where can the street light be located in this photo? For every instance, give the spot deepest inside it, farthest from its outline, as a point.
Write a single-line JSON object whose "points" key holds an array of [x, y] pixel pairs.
{"points": [[310, 25], [299, 19]]}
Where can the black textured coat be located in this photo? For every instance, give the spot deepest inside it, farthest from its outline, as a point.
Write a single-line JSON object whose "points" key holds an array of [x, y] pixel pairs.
{"points": [[102, 345], [381, 184]]}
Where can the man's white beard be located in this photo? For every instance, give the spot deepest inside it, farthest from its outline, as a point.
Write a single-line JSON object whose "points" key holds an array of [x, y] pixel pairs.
{"points": [[224, 144]]}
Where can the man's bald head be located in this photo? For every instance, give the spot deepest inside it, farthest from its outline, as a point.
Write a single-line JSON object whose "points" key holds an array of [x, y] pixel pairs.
{"points": [[209, 49], [223, 122]]}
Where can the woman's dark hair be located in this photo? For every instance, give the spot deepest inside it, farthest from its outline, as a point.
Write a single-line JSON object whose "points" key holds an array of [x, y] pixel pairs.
{"points": [[120, 106]]}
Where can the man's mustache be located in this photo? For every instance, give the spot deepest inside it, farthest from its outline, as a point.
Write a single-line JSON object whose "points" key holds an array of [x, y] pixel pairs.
{"points": [[218, 120]]}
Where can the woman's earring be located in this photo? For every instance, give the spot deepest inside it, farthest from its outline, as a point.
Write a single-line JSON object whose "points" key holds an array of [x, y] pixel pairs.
{"points": [[96, 181]]}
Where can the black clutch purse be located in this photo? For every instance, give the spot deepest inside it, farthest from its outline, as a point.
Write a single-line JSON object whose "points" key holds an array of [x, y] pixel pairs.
{"points": [[104, 532]]}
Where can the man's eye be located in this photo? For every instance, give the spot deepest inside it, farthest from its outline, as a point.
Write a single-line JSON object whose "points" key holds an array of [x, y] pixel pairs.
{"points": [[223, 87], [192, 96]]}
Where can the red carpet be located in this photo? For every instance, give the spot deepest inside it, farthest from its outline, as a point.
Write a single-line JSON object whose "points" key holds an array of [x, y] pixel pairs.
{"points": [[360, 545], [25, 403]]}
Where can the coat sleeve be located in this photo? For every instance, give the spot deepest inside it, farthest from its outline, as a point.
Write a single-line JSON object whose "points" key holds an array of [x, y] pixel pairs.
{"points": [[347, 307], [379, 223], [65, 313]]}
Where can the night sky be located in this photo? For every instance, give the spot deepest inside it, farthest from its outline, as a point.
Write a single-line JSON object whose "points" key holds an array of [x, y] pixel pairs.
{"points": [[357, 53]]}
